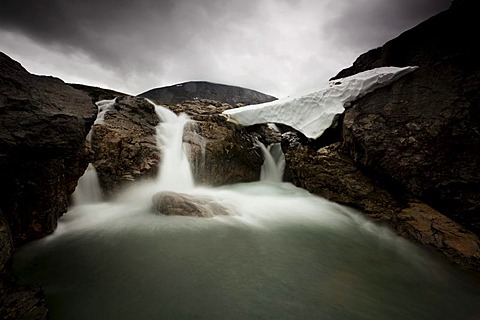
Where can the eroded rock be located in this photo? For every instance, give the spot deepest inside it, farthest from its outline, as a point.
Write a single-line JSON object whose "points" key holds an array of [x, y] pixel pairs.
{"points": [[180, 204], [124, 144], [422, 133]]}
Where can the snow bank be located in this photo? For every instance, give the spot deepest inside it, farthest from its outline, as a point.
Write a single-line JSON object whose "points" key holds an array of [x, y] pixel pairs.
{"points": [[311, 114]]}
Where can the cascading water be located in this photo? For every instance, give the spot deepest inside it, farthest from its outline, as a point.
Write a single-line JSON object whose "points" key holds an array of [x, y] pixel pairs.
{"points": [[274, 162], [175, 172], [286, 255], [88, 189]]}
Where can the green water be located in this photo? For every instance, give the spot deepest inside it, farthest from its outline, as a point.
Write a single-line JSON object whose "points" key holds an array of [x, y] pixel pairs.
{"points": [[286, 255]]}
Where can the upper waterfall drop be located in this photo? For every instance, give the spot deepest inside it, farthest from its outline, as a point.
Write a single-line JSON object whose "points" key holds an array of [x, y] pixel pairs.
{"points": [[175, 172]]}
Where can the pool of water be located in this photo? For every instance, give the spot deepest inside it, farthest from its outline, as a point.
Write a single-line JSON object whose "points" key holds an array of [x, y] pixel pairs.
{"points": [[286, 254]]}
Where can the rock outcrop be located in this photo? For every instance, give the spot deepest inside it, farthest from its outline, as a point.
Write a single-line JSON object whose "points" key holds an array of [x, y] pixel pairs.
{"points": [[408, 153], [124, 144], [332, 174], [198, 90], [179, 204], [423, 132], [43, 125]]}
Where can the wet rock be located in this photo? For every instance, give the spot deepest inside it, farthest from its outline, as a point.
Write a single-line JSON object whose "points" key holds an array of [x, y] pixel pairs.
{"points": [[25, 303], [6, 253], [43, 125], [331, 174], [124, 145], [179, 204], [422, 133], [222, 153], [427, 226]]}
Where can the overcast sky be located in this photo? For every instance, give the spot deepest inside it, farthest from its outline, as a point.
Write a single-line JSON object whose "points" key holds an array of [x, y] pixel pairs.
{"points": [[280, 47]]}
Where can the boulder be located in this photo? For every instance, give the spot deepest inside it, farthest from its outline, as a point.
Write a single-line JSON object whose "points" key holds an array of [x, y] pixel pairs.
{"points": [[223, 154], [179, 204], [124, 144], [421, 134]]}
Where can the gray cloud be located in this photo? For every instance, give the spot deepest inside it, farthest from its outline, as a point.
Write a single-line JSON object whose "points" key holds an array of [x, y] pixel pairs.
{"points": [[276, 46]]}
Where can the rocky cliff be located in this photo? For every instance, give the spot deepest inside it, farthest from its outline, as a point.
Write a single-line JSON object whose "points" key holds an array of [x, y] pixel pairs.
{"points": [[408, 154], [43, 124], [195, 90], [423, 132]]}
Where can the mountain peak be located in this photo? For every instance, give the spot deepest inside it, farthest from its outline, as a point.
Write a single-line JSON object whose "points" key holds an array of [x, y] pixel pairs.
{"points": [[194, 90]]}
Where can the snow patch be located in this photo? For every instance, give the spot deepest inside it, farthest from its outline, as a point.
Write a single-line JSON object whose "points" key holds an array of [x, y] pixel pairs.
{"points": [[313, 113]]}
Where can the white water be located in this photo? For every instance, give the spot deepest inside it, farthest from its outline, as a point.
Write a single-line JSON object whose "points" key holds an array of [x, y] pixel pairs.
{"points": [[175, 172], [88, 189], [286, 255], [274, 162]]}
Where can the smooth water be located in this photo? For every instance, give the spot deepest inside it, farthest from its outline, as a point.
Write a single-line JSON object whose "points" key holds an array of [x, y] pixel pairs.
{"points": [[274, 162], [285, 254], [88, 189]]}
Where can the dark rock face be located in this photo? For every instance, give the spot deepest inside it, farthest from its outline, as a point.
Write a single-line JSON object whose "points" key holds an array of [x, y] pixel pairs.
{"points": [[228, 156], [43, 124], [330, 173], [197, 90], [179, 204], [408, 153], [124, 144], [40, 115], [423, 132], [6, 252]]}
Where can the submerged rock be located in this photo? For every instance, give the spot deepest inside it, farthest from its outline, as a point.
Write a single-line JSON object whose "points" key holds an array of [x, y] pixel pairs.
{"points": [[180, 204]]}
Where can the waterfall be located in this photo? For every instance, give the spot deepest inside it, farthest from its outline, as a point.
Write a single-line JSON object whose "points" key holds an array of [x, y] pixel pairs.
{"points": [[274, 163], [88, 189], [175, 173]]}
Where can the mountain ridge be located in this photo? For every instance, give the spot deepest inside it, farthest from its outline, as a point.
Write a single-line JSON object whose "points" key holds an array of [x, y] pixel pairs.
{"points": [[194, 90]]}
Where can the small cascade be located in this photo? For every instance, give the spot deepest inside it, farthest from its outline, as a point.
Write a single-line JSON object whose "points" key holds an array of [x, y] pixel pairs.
{"points": [[175, 172], [88, 189], [274, 163], [103, 107]]}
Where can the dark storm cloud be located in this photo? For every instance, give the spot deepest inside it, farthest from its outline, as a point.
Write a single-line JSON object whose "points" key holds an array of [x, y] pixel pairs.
{"points": [[376, 21], [276, 46]]}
